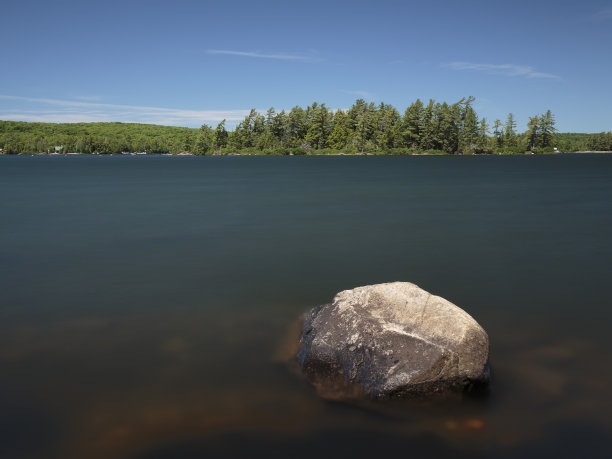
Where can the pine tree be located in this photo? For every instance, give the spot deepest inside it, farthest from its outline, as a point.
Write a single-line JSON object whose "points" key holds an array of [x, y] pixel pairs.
{"points": [[386, 118], [469, 130], [510, 131], [341, 132], [360, 116], [447, 134], [533, 132], [483, 131], [319, 127], [243, 134], [220, 136], [498, 134], [204, 142], [428, 132], [412, 125], [547, 129], [297, 126]]}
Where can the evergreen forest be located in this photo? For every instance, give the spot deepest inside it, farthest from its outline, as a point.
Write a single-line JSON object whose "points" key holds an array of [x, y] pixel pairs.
{"points": [[365, 128]]}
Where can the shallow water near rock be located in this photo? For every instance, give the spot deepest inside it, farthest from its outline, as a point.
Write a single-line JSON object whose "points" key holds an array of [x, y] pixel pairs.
{"points": [[145, 300]]}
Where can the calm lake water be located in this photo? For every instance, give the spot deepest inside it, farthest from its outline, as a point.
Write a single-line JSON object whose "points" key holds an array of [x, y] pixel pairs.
{"points": [[145, 301]]}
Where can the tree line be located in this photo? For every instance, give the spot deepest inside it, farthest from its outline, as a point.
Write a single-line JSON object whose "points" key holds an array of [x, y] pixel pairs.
{"points": [[364, 128], [367, 127], [21, 137]]}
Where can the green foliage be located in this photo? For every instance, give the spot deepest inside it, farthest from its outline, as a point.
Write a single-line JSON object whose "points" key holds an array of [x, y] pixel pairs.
{"points": [[205, 142], [220, 136], [93, 138], [547, 129], [510, 139], [498, 140], [386, 120], [600, 142], [540, 132], [411, 126], [470, 131], [364, 128], [319, 122], [573, 141], [341, 132], [361, 122]]}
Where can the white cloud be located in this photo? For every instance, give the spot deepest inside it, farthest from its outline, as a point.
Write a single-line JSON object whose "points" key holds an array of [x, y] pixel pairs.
{"points": [[279, 56], [78, 111], [501, 69]]}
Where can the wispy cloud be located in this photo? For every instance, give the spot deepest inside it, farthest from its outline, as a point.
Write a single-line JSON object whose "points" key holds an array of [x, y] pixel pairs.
{"points": [[89, 98], [54, 117], [360, 93], [501, 69], [56, 110], [602, 15], [279, 56]]}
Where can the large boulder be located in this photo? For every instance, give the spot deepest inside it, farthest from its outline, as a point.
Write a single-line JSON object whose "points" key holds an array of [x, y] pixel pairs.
{"points": [[392, 340]]}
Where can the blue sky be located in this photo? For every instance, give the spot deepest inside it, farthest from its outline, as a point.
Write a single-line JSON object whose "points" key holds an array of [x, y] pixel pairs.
{"points": [[189, 62]]}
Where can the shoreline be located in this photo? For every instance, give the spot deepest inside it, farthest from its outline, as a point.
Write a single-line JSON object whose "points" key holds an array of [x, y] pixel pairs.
{"points": [[593, 151], [528, 153], [315, 154]]}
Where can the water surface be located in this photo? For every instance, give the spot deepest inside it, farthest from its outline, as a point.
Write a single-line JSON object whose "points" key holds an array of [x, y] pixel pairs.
{"points": [[145, 301]]}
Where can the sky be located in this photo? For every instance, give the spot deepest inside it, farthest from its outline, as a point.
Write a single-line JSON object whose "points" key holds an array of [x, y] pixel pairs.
{"points": [[186, 63]]}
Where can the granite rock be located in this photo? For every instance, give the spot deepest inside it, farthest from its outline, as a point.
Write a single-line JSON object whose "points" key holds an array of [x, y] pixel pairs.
{"points": [[392, 340]]}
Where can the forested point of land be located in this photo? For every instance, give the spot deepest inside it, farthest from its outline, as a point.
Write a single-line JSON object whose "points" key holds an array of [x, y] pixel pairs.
{"points": [[434, 128]]}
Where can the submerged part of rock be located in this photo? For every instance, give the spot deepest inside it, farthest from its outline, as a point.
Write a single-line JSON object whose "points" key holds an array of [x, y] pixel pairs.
{"points": [[392, 340]]}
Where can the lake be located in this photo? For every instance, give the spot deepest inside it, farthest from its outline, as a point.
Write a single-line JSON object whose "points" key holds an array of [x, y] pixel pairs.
{"points": [[146, 301]]}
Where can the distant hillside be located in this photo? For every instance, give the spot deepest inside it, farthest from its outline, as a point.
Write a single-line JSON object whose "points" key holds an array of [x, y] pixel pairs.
{"points": [[23, 137], [584, 142]]}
